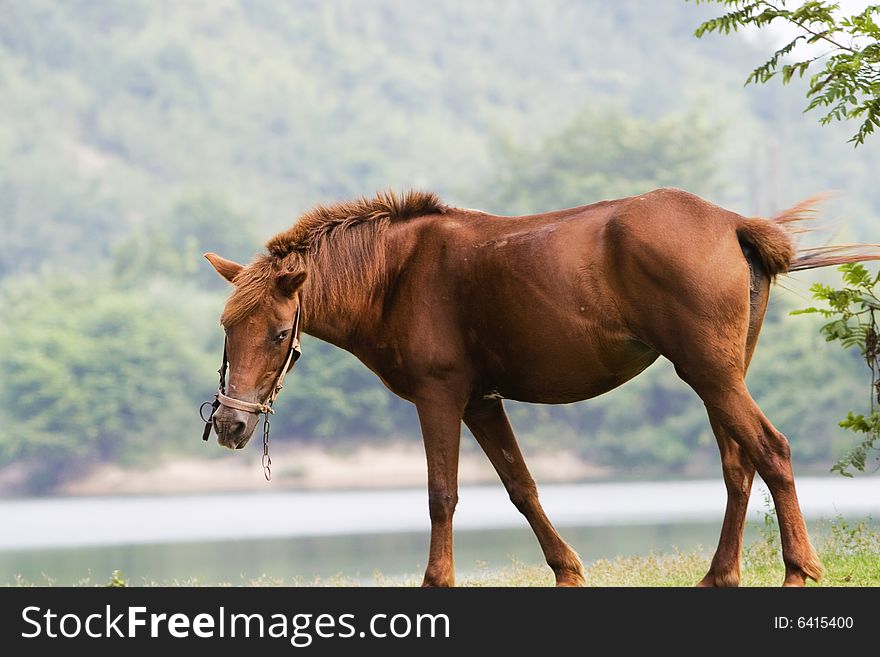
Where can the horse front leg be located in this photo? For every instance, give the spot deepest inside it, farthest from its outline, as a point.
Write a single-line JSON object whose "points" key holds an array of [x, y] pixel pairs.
{"points": [[440, 420], [488, 422]]}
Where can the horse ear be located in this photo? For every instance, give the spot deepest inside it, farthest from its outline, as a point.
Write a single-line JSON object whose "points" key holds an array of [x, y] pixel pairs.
{"points": [[226, 268], [290, 282]]}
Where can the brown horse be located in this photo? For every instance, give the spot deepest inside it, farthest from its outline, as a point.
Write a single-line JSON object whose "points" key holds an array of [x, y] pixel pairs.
{"points": [[457, 309]]}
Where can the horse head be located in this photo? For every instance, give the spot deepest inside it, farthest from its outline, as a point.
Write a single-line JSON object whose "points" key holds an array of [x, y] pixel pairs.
{"points": [[262, 324]]}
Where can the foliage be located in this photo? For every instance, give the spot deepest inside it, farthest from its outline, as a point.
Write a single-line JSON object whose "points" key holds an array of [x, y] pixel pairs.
{"points": [[602, 155], [852, 310], [332, 397], [91, 374], [846, 81], [770, 545], [173, 246], [117, 580]]}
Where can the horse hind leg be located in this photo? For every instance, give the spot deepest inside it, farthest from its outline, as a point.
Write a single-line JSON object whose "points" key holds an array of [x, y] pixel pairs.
{"points": [[488, 422], [739, 473], [711, 302], [737, 468], [739, 417], [720, 383]]}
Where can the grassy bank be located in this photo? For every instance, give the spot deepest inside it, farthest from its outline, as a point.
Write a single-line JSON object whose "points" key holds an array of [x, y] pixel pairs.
{"points": [[687, 569], [849, 551]]}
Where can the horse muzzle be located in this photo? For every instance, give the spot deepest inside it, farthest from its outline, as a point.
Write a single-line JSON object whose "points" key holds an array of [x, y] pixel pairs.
{"points": [[234, 428]]}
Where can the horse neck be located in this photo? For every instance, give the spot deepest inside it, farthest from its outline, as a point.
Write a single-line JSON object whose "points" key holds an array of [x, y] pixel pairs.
{"points": [[335, 321], [351, 315]]}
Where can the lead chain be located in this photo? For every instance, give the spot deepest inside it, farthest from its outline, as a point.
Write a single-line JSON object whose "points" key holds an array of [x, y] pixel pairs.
{"points": [[267, 460]]}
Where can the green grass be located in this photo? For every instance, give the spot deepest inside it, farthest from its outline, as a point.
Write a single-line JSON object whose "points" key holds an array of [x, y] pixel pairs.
{"points": [[685, 569], [849, 551]]}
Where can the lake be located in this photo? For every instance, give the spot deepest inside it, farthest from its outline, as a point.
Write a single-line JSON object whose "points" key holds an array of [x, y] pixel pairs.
{"points": [[232, 538]]}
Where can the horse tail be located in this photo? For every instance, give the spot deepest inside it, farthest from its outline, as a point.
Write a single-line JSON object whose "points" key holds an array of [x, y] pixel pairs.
{"points": [[768, 243], [839, 254], [772, 242]]}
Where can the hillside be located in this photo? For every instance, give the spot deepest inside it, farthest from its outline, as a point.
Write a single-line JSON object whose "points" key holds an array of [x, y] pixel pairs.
{"points": [[136, 135]]}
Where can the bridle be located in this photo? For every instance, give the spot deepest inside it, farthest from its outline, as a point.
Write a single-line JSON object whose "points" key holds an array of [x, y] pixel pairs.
{"points": [[294, 351]]}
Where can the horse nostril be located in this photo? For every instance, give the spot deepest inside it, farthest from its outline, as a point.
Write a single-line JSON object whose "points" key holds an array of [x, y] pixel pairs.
{"points": [[232, 427]]}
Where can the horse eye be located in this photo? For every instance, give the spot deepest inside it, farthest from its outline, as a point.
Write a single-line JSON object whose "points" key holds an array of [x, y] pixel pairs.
{"points": [[282, 336]]}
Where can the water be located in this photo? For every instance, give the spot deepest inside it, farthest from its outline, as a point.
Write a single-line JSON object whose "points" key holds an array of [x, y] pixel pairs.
{"points": [[303, 535]]}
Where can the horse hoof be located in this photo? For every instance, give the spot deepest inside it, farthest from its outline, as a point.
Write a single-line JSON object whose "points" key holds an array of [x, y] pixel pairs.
{"points": [[716, 581], [571, 580]]}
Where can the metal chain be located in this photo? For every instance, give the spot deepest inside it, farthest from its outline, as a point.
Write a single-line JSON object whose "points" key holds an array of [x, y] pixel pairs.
{"points": [[267, 460]]}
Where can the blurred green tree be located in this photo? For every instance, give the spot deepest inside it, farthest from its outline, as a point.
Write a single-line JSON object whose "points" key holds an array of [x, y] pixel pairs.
{"points": [[600, 155], [92, 374], [172, 246], [333, 398]]}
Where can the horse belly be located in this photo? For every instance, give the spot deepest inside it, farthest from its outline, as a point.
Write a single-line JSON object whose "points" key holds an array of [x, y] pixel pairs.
{"points": [[563, 372]]}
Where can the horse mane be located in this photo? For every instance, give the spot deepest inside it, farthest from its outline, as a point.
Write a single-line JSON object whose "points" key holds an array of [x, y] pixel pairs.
{"points": [[341, 246], [319, 223]]}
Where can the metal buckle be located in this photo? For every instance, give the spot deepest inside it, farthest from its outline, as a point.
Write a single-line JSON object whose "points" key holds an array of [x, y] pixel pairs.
{"points": [[213, 406]]}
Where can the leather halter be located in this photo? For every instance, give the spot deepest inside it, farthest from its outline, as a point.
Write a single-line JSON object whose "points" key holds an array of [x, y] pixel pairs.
{"points": [[294, 351]]}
